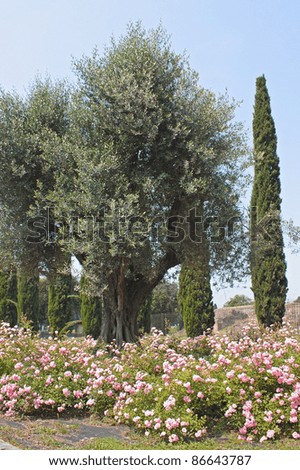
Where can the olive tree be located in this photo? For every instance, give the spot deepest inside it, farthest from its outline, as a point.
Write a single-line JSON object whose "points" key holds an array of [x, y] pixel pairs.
{"points": [[147, 147]]}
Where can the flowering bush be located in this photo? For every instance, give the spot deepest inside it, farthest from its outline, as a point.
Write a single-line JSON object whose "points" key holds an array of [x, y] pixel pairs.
{"points": [[164, 386]]}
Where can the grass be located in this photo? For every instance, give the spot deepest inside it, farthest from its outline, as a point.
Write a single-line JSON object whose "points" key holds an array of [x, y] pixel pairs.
{"points": [[227, 442], [33, 434], [54, 435]]}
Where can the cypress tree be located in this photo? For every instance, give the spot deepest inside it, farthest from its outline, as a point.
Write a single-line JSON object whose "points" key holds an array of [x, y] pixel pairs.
{"points": [[43, 301], [268, 266], [144, 316], [90, 311], [28, 299], [59, 302], [195, 297], [8, 297]]}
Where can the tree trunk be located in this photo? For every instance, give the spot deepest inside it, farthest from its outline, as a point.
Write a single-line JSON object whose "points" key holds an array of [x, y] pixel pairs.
{"points": [[123, 299], [119, 317], [119, 325]]}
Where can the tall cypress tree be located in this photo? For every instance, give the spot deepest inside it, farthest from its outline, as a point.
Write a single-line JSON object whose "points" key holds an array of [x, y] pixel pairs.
{"points": [[28, 299], [195, 297], [59, 302], [268, 266], [8, 297], [90, 311], [144, 316]]}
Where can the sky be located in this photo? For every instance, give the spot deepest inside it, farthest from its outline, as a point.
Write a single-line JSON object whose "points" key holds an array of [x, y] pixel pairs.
{"points": [[229, 43]]}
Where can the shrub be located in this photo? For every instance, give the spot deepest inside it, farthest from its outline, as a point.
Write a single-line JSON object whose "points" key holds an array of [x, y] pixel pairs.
{"points": [[176, 389], [28, 299], [90, 311], [8, 297], [195, 298], [59, 304]]}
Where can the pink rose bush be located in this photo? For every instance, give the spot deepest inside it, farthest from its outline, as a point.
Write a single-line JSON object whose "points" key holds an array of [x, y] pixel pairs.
{"points": [[172, 388]]}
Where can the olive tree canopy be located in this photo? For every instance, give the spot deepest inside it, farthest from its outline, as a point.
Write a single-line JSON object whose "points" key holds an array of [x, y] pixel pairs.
{"points": [[150, 163]]}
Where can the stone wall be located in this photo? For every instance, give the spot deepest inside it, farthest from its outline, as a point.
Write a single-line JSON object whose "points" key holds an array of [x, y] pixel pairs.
{"points": [[237, 316], [292, 315]]}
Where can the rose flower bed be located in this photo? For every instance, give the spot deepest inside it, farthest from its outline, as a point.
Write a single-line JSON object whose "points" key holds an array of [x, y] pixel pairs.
{"points": [[175, 389]]}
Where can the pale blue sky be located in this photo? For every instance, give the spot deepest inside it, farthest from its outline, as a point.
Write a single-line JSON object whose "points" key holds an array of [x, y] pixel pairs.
{"points": [[229, 43]]}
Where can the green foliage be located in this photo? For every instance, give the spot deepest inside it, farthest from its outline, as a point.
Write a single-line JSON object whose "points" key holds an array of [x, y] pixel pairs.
{"points": [[28, 299], [59, 304], [27, 127], [268, 266], [90, 310], [164, 299], [8, 295], [161, 308], [195, 298], [177, 390], [43, 300], [69, 326], [136, 146], [238, 300], [144, 316]]}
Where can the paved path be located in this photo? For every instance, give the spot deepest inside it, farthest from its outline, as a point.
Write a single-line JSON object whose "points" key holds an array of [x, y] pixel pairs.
{"points": [[67, 432], [6, 446]]}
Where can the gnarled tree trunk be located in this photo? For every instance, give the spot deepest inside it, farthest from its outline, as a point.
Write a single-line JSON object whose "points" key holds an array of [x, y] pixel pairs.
{"points": [[119, 317], [123, 299]]}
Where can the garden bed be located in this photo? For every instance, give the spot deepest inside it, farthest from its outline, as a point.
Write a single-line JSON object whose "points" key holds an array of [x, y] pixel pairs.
{"points": [[180, 391]]}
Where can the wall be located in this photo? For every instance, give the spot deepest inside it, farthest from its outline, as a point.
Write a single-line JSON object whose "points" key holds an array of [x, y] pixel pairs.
{"points": [[236, 316]]}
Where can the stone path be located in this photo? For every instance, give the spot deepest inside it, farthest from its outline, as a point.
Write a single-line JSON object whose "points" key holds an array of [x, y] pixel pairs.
{"points": [[25, 433], [6, 446]]}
